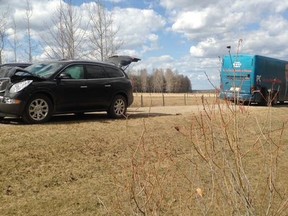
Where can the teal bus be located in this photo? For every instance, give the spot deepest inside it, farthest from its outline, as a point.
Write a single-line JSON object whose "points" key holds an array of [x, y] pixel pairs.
{"points": [[254, 79]]}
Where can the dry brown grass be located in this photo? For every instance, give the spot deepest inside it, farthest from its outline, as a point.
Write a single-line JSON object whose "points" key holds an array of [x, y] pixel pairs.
{"points": [[171, 99], [227, 162]]}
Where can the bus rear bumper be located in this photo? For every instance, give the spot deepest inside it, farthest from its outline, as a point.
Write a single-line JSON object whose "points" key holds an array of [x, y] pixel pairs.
{"points": [[237, 96]]}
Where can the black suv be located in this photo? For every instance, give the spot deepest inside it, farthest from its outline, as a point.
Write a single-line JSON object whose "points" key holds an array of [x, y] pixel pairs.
{"points": [[67, 86]]}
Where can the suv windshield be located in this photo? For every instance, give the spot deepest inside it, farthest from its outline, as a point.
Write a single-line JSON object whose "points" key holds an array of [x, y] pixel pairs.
{"points": [[44, 70]]}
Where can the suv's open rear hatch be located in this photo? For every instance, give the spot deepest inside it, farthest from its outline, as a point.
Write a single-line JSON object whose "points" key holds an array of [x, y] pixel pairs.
{"points": [[122, 61]]}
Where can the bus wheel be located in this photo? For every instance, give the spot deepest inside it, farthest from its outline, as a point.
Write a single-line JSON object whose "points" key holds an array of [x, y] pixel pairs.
{"points": [[246, 103]]}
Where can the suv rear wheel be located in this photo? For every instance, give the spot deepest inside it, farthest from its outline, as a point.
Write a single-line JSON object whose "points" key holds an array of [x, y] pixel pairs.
{"points": [[118, 107], [38, 110]]}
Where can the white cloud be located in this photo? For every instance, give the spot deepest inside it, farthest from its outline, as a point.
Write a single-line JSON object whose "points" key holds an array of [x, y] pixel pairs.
{"points": [[185, 4], [138, 27], [204, 47], [193, 20], [115, 1], [164, 61], [153, 37]]}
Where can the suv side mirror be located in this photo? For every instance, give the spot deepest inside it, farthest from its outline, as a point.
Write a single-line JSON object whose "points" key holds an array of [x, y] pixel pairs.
{"points": [[64, 76]]}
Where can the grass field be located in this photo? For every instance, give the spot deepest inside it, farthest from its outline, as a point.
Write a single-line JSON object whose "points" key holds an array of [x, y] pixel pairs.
{"points": [[171, 99], [219, 160]]}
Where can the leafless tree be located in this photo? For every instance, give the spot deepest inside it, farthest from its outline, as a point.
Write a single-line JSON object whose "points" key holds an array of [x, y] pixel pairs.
{"points": [[170, 79], [65, 34], [182, 83], [144, 80], [188, 84], [29, 13], [178, 83], [3, 28], [158, 80], [15, 44], [185, 84], [103, 31]]}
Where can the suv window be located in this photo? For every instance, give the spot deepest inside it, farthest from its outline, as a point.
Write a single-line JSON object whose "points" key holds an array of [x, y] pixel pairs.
{"points": [[43, 69], [75, 71], [114, 72], [95, 72]]}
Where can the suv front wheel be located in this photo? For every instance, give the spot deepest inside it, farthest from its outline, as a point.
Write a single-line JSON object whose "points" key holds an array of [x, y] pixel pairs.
{"points": [[118, 107], [38, 110]]}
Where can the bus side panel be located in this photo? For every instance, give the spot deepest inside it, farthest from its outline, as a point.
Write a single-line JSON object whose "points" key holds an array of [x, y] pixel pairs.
{"points": [[286, 78], [271, 76]]}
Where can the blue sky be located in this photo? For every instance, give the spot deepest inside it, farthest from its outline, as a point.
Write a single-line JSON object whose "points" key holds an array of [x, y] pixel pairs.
{"points": [[187, 36]]}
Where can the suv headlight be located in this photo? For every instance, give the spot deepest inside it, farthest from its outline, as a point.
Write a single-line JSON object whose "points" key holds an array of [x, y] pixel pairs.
{"points": [[20, 86]]}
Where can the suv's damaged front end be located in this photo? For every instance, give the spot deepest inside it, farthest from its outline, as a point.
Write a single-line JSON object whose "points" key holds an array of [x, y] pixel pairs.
{"points": [[12, 92]]}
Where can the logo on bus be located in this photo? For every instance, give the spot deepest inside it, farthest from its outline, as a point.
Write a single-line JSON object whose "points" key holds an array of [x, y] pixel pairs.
{"points": [[237, 64]]}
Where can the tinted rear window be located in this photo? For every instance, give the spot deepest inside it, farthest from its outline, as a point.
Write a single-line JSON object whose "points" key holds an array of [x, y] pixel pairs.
{"points": [[113, 72], [95, 72]]}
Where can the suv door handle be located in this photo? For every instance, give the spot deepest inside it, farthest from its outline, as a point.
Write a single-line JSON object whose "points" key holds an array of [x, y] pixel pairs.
{"points": [[107, 86], [82, 87]]}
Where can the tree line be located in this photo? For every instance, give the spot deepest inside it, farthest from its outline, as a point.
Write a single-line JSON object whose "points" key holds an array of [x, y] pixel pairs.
{"points": [[160, 81]]}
